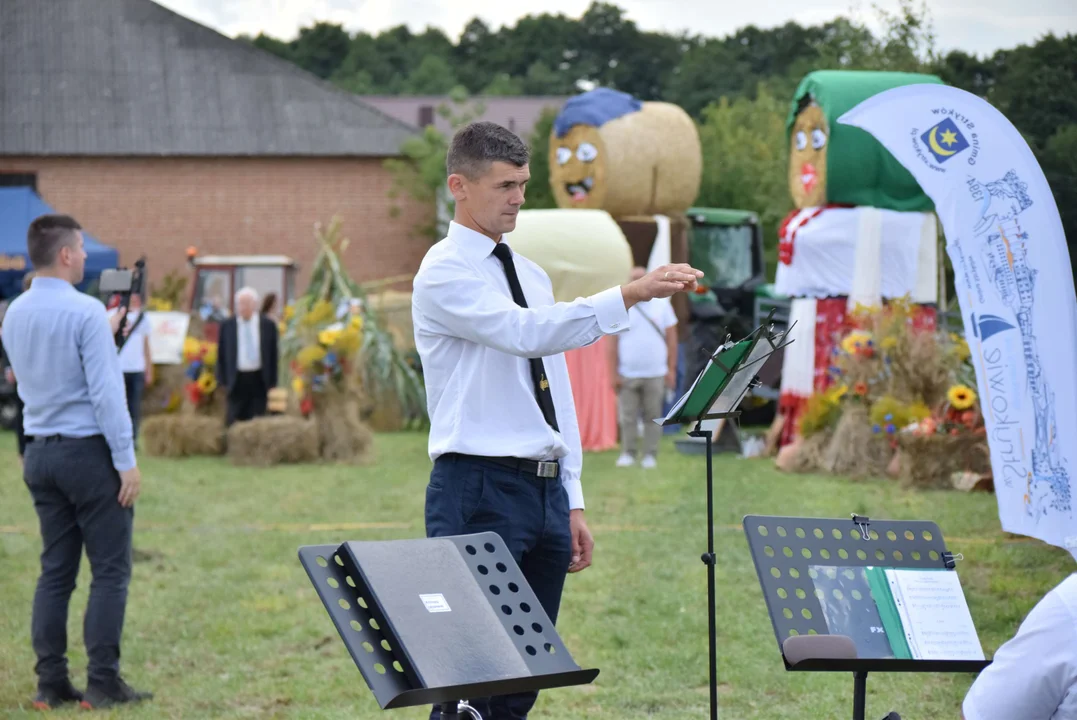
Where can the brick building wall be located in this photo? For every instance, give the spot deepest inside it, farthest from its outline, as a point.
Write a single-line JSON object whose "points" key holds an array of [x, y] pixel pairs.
{"points": [[161, 206]]}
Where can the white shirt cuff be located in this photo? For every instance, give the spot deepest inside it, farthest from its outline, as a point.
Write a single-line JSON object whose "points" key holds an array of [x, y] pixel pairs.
{"points": [[574, 489], [610, 311]]}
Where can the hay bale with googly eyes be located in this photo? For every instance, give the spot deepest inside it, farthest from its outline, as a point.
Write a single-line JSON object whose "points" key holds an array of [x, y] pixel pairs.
{"points": [[831, 163], [610, 151]]}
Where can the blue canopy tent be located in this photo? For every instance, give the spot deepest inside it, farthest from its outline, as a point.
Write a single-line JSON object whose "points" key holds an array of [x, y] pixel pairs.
{"points": [[18, 208]]}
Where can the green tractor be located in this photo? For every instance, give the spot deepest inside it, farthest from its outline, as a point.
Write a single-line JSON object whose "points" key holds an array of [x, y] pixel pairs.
{"points": [[734, 297]]}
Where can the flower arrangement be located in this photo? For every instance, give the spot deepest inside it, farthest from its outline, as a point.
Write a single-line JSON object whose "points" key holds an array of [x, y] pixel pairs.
{"points": [[959, 415], [332, 338], [201, 359]]}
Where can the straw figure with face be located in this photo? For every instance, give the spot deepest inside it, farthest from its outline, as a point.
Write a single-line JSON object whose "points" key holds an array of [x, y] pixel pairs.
{"points": [[612, 152]]}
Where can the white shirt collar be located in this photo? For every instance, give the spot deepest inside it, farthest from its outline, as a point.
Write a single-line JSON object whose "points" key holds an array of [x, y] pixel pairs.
{"points": [[474, 244]]}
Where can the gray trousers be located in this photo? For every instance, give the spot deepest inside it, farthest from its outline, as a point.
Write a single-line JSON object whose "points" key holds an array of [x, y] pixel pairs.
{"points": [[75, 489], [641, 397]]}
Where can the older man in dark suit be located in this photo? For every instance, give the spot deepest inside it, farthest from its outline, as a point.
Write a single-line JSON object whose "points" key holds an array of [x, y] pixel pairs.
{"points": [[247, 358]]}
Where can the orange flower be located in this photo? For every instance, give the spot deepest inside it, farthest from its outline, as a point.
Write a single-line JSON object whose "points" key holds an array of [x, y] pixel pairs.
{"points": [[861, 388]]}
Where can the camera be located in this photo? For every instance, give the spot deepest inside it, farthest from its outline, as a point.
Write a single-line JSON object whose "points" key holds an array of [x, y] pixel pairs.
{"points": [[125, 283]]}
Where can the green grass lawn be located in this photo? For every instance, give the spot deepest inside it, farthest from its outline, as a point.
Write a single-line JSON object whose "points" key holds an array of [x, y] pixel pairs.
{"points": [[222, 621]]}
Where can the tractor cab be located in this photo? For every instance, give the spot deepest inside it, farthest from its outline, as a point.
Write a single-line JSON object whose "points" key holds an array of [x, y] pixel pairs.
{"points": [[217, 278], [727, 245]]}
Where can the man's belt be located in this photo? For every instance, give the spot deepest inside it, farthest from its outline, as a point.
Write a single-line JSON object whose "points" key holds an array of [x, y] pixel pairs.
{"points": [[538, 468]]}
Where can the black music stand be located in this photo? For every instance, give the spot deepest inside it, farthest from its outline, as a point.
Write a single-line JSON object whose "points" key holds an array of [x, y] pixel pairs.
{"points": [[440, 620], [784, 549], [721, 386]]}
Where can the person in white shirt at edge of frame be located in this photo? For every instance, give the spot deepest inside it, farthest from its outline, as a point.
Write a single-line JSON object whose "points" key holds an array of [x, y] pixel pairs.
{"points": [[503, 431], [643, 365], [1033, 676], [136, 361]]}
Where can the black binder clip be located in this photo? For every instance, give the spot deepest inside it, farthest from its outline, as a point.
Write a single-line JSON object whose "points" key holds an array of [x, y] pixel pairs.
{"points": [[862, 522], [950, 559]]}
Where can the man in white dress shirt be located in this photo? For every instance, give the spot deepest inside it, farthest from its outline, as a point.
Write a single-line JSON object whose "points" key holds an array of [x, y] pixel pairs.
{"points": [[503, 435], [1033, 676]]}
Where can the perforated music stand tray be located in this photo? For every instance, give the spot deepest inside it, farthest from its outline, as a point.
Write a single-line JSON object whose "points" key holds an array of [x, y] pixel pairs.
{"points": [[784, 549], [439, 620]]}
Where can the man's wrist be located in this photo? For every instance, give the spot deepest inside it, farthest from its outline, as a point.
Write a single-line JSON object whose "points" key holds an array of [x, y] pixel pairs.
{"points": [[630, 293]]}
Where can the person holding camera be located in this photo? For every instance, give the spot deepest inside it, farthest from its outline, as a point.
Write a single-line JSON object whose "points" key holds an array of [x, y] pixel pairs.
{"points": [[136, 361], [80, 463]]}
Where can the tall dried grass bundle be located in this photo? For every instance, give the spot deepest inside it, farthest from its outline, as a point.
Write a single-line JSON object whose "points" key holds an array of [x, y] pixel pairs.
{"points": [[166, 393], [854, 450], [920, 369], [932, 460], [343, 434], [182, 435], [273, 440]]}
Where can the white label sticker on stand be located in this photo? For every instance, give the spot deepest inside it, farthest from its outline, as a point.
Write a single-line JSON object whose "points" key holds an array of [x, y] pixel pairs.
{"points": [[435, 603]]}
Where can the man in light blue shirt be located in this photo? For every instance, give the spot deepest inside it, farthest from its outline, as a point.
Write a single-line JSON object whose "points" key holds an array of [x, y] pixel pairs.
{"points": [[79, 465]]}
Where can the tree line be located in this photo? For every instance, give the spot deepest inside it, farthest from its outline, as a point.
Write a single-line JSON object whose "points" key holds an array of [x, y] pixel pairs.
{"points": [[736, 87]]}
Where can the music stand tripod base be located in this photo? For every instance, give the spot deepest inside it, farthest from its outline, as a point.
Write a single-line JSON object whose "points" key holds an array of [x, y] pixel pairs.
{"points": [[715, 394], [439, 620]]}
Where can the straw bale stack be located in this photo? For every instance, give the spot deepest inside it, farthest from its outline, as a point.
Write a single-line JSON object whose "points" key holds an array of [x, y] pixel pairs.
{"points": [[176, 435], [273, 440]]}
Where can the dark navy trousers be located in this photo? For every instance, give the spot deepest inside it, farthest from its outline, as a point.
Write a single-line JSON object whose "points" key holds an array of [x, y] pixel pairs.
{"points": [[468, 495], [75, 490]]}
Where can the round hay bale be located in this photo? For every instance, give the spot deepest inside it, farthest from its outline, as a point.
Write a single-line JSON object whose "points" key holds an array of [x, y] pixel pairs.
{"points": [[273, 440], [343, 435], [583, 251], [610, 151], [854, 450], [182, 435]]}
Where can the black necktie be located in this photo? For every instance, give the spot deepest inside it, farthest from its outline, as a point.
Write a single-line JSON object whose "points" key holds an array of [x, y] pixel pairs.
{"points": [[538, 373]]}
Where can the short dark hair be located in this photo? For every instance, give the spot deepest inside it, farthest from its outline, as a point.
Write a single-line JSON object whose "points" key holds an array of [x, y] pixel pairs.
{"points": [[477, 145], [47, 234]]}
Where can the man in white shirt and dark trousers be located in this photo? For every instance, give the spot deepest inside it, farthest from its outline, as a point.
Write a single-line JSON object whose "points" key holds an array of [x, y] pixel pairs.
{"points": [[503, 435], [643, 364]]}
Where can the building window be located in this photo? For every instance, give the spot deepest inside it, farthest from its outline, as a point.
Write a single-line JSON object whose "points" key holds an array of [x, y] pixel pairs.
{"points": [[426, 115], [19, 180]]}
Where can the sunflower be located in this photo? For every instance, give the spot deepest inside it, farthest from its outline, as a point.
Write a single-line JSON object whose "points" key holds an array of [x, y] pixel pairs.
{"points": [[961, 397], [207, 383], [209, 353], [192, 348], [309, 356], [856, 342], [328, 337]]}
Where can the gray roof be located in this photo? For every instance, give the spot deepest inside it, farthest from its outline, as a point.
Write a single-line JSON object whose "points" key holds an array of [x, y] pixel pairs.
{"points": [[129, 77]]}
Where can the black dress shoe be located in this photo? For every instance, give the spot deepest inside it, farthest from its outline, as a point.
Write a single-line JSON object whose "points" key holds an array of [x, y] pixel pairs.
{"points": [[116, 692], [52, 695]]}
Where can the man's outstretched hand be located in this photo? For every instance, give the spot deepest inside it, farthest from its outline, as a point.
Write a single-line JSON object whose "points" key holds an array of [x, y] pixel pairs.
{"points": [[662, 282]]}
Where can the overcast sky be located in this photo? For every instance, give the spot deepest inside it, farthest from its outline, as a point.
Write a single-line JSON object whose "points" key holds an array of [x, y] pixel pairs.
{"points": [[978, 26]]}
